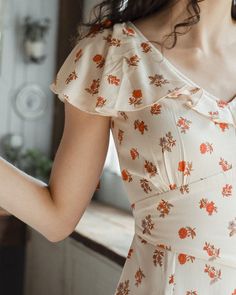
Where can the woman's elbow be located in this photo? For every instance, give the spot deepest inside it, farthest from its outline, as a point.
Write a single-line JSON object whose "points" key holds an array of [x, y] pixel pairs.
{"points": [[59, 234]]}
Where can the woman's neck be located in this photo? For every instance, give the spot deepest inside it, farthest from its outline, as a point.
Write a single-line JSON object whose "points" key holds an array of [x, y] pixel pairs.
{"points": [[215, 25]]}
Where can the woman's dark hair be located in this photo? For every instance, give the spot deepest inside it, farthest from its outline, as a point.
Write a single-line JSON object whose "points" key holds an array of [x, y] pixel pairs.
{"points": [[109, 12]]}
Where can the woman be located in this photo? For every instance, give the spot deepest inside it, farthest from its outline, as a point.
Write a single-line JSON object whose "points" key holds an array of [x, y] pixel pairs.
{"points": [[175, 141]]}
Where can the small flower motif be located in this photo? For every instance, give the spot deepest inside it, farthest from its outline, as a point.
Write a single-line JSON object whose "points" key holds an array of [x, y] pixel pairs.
{"points": [[234, 292], [124, 115], [156, 109], [172, 186], [146, 47], [140, 126], [72, 76], [232, 227], [157, 257], [158, 80], [224, 164], [134, 153], [133, 60], [191, 293], [227, 190], [167, 142], [184, 188], [128, 31], [136, 98], [126, 176], [206, 147], [147, 224], [112, 41], [212, 252], [113, 80], [123, 288], [150, 168], [164, 208], [183, 258], [209, 206], [145, 185], [93, 89], [100, 101], [131, 250], [139, 275], [78, 55], [184, 124], [187, 231], [213, 273], [172, 279], [223, 126], [99, 60], [120, 136], [185, 167]]}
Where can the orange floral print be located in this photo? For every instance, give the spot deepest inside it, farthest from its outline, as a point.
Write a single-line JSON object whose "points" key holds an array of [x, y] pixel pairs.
{"points": [[128, 31], [225, 165], [184, 258], [139, 275], [93, 89], [184, 124], [156, 109], [123, 288], [100, 101], [126, 176], [133, 60], [158, 80], [124, 115], [232, 227], [113, 80], [172, 279], [134, 153], [223, 126], [206, 147], [212, 251], [227, 190], [150, 168], [145, 185], [131, 250], [187, 231], [158, 256], [78, 55], [184, 188], [213, 273], [167, 142], [146, 47], [164, 208], [141, 126], [209, 206], [185, 167], [72, 76], [191, 293], [120, 136], [172, 186], [112, 41], [99, 60], [234, 292], [222, 103], [147, 224], [136, 98]]}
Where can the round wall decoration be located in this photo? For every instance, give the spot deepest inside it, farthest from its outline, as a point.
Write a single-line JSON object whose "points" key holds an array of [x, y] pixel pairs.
{"points": [[31, 102]]}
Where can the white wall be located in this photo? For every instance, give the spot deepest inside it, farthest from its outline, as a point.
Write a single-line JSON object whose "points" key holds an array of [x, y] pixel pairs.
{"points": [[16, 73]]}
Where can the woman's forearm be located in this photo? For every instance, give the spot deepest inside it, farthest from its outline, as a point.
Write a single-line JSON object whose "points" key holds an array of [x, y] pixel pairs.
{"points": [[30, 200]]}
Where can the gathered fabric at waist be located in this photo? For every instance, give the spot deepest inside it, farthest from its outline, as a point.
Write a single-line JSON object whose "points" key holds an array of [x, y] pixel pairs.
{"points": [[200, 223]]}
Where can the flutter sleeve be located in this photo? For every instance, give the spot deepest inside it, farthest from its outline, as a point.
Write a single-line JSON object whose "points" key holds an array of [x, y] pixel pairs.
{"points": [[83, 79]]}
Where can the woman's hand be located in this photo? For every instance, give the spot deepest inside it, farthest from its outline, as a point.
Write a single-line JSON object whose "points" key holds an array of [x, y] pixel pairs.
{"points": [[55, 209]]}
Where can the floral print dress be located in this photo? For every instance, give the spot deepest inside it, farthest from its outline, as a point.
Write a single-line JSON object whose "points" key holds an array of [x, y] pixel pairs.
{"points": [[176, 145]]}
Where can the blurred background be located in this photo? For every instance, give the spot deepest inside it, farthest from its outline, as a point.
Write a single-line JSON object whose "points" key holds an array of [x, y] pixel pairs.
{"points": [[35, 38]]}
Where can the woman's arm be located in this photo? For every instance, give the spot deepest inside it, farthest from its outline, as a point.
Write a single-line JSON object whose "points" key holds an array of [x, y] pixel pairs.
{"points": [[55, 209]]}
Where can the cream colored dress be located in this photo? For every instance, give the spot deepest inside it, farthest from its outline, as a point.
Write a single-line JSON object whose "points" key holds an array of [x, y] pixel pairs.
{"points": [[176, 145]]}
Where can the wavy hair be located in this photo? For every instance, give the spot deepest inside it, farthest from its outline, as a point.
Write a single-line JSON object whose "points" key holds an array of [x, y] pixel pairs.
{"points": [[109, 12]]}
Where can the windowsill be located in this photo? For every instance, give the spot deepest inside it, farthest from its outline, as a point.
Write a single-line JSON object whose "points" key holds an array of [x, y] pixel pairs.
{"points": [[106, 230]]}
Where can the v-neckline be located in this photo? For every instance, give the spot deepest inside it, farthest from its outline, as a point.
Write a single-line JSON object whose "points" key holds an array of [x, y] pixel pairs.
{"points": [[176, 70]]}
